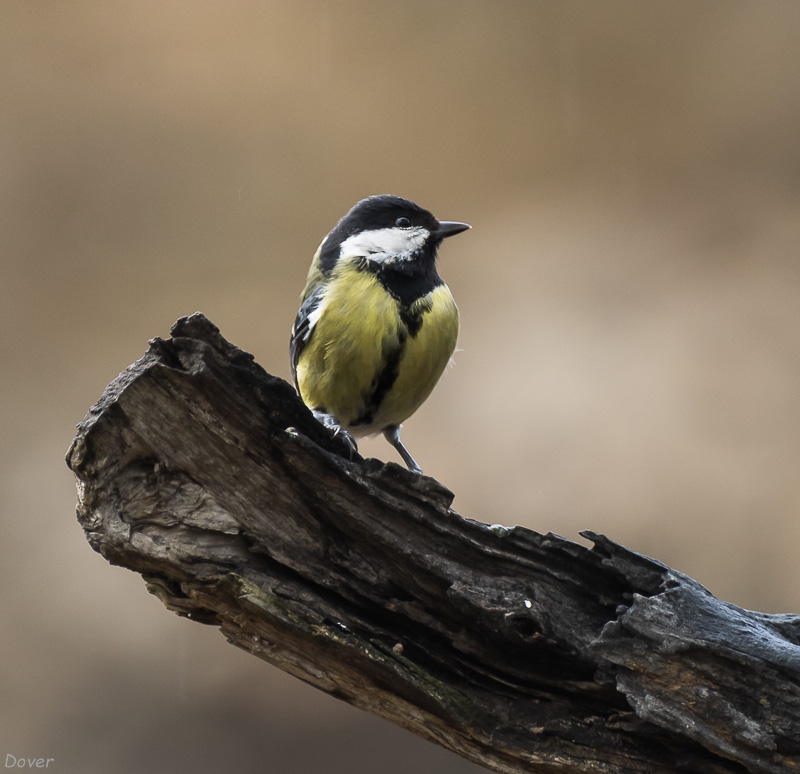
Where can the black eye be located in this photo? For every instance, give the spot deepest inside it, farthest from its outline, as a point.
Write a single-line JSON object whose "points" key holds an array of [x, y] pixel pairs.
{"points": [[402, 223]]}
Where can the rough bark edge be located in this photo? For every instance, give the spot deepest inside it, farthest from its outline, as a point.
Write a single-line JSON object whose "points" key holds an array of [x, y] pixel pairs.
{"points": [[519, 651]]}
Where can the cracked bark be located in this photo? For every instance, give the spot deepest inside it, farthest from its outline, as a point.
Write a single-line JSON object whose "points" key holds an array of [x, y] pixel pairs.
{"points": [[519, 651]]}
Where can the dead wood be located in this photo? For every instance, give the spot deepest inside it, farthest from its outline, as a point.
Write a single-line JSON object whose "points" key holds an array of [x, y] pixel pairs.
{"points": [[519, 651]]}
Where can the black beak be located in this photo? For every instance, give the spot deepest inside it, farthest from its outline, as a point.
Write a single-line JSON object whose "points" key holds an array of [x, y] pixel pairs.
{"points": [[450, 228]]}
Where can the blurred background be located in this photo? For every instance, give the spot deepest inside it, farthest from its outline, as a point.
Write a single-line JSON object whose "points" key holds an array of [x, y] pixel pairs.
{"points": [[629, 359]]}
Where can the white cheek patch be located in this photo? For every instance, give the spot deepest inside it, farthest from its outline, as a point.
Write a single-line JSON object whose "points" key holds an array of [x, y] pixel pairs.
{"points": [[384, 244]]}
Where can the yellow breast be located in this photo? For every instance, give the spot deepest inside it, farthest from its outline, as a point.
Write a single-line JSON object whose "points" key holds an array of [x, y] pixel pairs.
{"points": [[369, 362], [425, 357]]}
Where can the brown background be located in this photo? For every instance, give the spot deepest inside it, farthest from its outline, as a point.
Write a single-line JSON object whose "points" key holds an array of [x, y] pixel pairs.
{"points": [[630, 293]]}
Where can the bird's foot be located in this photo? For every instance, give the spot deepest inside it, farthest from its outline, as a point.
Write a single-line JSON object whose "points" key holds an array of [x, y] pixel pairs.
{"points": [[331, 422]]}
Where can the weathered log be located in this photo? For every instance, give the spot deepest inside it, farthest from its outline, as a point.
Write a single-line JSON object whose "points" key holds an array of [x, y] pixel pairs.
{"points": [[519, 651]]}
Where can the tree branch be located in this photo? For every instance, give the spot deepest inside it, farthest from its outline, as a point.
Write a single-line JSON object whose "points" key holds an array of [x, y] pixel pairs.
{"points": [[519, 651]]}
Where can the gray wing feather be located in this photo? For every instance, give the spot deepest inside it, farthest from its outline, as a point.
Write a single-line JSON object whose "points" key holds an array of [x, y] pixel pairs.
{"points": [[303, 328]]}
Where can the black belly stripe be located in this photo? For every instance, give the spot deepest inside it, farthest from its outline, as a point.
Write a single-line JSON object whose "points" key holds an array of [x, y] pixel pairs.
{"points": [[383, 382], [412, 320], [408, 285]]}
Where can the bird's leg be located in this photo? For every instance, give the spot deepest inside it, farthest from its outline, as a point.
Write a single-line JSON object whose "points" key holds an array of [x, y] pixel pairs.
{"points": [[392, 435], [331, 422]]}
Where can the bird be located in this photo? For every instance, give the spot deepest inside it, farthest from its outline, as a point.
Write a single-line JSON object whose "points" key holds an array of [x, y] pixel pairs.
{"points": [[377, 325]]}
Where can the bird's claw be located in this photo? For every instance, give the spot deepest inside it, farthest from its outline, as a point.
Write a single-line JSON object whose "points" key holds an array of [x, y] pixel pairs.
{"points": [[330, 422]]}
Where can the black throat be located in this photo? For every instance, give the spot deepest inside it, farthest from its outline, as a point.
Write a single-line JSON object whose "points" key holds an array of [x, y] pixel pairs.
{"points": [[406, 281]]}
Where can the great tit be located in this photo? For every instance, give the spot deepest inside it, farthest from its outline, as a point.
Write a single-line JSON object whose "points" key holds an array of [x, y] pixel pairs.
{"points": [[376, 325]]}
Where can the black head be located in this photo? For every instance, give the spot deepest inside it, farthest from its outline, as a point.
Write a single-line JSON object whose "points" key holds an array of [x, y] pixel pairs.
{"points": [[385, 211], [403, 232]]}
